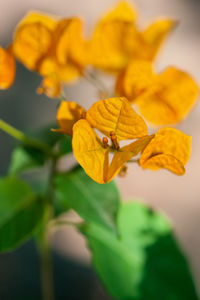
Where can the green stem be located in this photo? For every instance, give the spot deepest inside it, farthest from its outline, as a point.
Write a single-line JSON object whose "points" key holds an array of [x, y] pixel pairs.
{"points": [[46, 268], [22, 137], [47, 282]]}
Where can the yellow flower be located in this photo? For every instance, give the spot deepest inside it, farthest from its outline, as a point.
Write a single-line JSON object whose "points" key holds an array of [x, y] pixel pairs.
{"points": [[68, 56], [55, 49], [32, 39], [170, 149], [7, 68], [116, 39], [116, 119], [166, 98], [68, 114]]}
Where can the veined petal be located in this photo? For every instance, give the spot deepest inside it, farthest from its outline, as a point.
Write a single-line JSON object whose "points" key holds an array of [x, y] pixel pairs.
{"points": [[33, 38], [69, 42], [138, 77], [170, 99], [178, 90], [108, 44], [126, 153], [164, 161], [155, 34], [64, 73], [167, 142], [7, 68], [116, 114], [68, 114], [89, 152]]}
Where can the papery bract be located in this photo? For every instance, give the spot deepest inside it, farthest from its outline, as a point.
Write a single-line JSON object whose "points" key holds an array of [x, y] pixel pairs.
{"points": [[68, 114], [7, 68], [166, 98], [170, 149]]}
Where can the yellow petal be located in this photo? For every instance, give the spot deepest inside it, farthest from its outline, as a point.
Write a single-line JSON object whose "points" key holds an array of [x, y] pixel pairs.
{"points": [[68, 114], [33, 38], [138, 77], [108, 43], [164, 161], [123, 12], [168, 142], [64, 73], [155, 34], [50, 87], [171, 99], [69, 42], [7, 68], [126, 153], [116, 114], [89, 152]]}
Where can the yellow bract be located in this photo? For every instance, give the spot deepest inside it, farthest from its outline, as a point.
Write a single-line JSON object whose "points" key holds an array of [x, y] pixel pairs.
{"points": [[89, 151], [116, 40], [115, 118], [126, 153], [33, 39], [165, 98], [108, 40], [117, 115], [55, 49], [170, 149], [7, 68], [68, 114]]}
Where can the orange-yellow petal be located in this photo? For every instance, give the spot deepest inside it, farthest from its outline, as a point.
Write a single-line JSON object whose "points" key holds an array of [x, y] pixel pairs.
{"points": [[168, 142], [68, 114], [50, 87], [116, 114], [171, 98], [108, 43], [64, 73], [7, 68], [32, 39], [89, 152], [69, 43], [126, 153], [164, 161], [138, 77], [155, 34]]}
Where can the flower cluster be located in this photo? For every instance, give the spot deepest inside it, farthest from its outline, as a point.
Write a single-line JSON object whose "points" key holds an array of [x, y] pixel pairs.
{"points": [[115, 118], [58, 50]]}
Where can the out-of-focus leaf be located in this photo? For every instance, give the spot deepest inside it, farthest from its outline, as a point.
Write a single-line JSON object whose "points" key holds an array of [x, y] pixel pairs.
{"points": [[21, 211], [92, 201], [144, 261], [25, 157]]}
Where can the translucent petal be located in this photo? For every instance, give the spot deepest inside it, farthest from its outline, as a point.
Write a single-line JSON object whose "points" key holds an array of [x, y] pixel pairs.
{"points": [[7, 68], [116, 114], [126, 153], [32, 39], [67, 115], [168, 142], [89, 152]]}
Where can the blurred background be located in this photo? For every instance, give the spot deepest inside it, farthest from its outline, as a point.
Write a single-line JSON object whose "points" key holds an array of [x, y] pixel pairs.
{"points": [[177, 197]]}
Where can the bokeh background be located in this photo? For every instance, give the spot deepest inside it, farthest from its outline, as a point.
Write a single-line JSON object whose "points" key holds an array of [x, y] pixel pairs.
{"points": [[177, 197]]}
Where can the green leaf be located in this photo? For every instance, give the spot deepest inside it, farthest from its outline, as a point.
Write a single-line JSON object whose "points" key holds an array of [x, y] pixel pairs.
{"points": [[21, 211], [92, 201], [144, 261], [26, 157]]}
